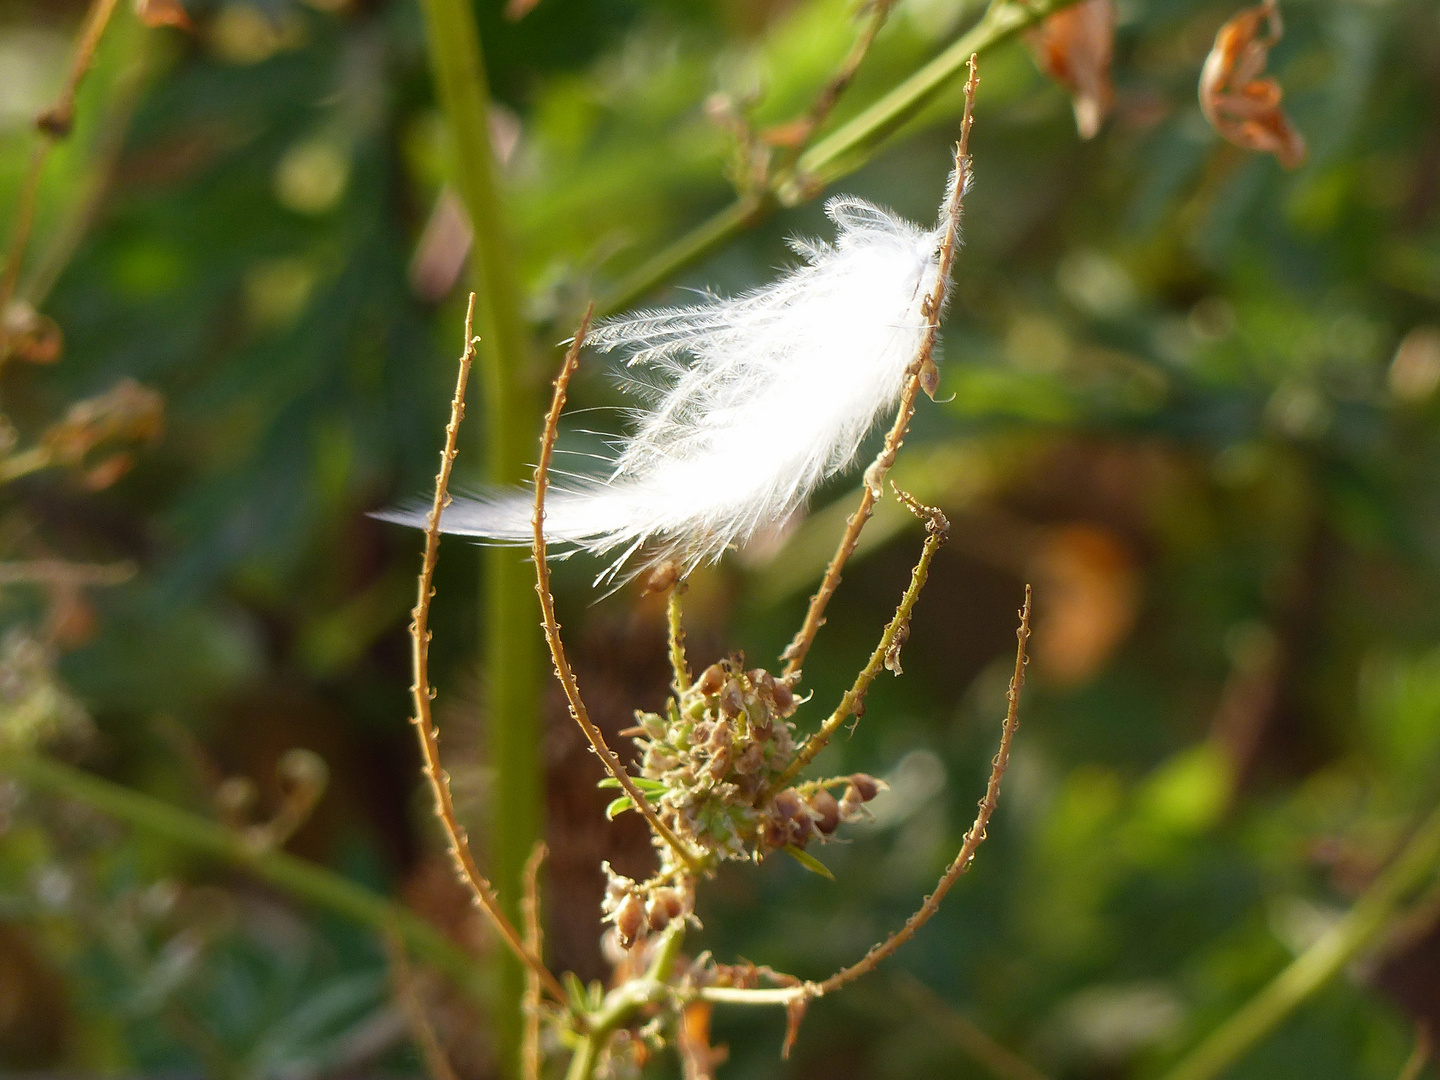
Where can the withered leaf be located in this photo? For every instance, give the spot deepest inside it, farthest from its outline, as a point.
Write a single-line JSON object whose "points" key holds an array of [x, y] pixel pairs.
{"points": [[1075, 47], [158, 13], [1241, 106]]}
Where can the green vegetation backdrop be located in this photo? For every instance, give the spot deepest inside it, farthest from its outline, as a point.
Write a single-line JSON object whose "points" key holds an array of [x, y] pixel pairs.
{"points": [[1188, 395]]}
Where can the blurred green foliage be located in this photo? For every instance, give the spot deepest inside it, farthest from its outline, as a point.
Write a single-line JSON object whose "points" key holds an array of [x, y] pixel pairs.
{"points": [[1191, 397]]}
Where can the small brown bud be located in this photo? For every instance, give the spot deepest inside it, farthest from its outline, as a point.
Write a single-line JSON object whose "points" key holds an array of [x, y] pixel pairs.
{"points": [[732, 700], [719, 763], [784, 699], [929, 378], [665, 904], [750, 759], [662, 578], [700, 733], [761, 679], [802, 829], [711, 680], [866, 786], [629, 919], [774, 834], [859, 709], [786, 805], [827, 809]]}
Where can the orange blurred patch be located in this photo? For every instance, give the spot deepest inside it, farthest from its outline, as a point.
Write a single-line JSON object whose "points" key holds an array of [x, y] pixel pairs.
{"points": [[1087, 597], [1240, 105], [157, 13], [1074, 47]]}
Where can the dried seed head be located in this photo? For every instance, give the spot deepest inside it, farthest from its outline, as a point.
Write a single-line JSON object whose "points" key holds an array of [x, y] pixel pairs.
{"points": [[711, 680], [827, 811], [866, 786], [665, 904], [629, 919]]}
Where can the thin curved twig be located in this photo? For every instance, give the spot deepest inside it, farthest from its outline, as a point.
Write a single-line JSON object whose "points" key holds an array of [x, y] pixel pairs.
{"points": [[53, 124], [973, 838], [794, 655], [563, 671], [937, 531], [469, 873], [535, 942], [790, 995]]}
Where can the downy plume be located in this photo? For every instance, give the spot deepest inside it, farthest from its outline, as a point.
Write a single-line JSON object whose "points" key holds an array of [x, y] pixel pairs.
{"points": [[751, 402]]}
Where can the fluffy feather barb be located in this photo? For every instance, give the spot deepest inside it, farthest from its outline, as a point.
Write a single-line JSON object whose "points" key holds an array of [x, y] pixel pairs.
{"points": [[752, 401]]}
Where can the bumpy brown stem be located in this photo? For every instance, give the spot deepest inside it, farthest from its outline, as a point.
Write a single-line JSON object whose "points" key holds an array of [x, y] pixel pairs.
{"points": [[468, 872], [794, 655], [563, 671]]}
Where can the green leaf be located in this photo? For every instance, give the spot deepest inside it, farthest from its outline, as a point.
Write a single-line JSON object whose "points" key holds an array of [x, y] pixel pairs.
{"points": [[808, 861], [576, 991], [619, 806], [647, 786]]}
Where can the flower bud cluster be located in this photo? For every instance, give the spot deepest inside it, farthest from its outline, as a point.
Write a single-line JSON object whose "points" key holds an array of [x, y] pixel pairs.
{"points": [[715, 759], [636, 909]]}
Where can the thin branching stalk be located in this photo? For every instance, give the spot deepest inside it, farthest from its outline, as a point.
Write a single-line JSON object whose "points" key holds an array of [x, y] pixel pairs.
{"points": [[294, 876], [563, 671], [937, 531], [789, 995], [1002, 1063], [673, 618], [973, 838], [53, 124], [480, 889], [535, 942], [1365, 923], [422, 1032], [794, 655], [60, 572], [1420, 1056], [835, 87], [625, 1002], [836, 155]]}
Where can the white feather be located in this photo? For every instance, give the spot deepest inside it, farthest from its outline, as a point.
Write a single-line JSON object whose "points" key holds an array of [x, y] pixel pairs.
{"points": [[754, 401]]}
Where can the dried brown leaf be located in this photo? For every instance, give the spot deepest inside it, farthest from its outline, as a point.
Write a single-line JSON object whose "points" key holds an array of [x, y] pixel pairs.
{"points": [[1075, 47], [1241, 106], [158, 13], [698, 1058], [31, 336]]}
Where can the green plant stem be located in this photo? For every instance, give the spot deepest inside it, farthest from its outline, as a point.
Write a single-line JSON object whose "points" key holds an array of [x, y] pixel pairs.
{"points": [[293, 875], [624, 1002], [836, 155], [1317, 965], [512, 659]]}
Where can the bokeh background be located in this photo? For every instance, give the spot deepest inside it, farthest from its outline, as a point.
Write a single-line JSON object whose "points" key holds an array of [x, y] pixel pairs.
{"points": [[1189, 396]]}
